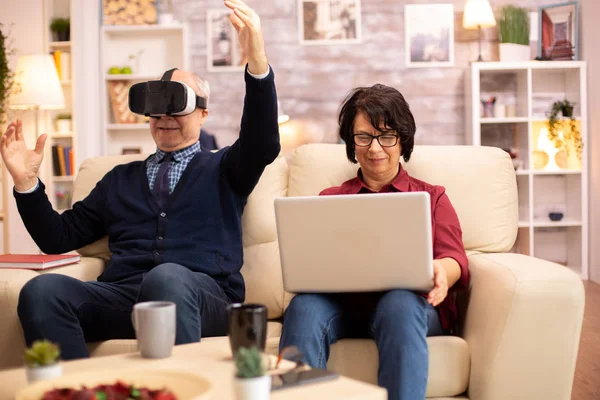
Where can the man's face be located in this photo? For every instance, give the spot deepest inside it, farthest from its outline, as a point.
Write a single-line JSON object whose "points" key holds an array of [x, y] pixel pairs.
{"points": [[176, 133]]}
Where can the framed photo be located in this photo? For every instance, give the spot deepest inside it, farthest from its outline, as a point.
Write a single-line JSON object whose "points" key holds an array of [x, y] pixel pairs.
{"points": [[429, 35], [117, 12], [558, 27], [329, 22], [224, 50]]}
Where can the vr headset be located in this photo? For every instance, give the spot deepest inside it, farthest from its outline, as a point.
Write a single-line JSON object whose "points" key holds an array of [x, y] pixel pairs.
{"points": [[165, 97]]}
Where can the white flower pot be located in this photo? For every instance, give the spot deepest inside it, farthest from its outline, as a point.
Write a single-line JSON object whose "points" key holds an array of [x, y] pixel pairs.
{"points": [[165, 19], [252, 388], [514, 52], [63, 126], [35, 374]]}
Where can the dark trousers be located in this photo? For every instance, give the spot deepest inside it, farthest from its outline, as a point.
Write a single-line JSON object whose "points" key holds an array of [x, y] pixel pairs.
{"points": [[70, 312]]}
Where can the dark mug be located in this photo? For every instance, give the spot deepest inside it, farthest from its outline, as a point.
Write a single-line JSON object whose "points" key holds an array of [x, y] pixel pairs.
{"points": [[247, 326]]}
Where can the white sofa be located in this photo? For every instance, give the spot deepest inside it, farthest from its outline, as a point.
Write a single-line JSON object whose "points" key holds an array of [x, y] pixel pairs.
{"points": [[522, 316]]}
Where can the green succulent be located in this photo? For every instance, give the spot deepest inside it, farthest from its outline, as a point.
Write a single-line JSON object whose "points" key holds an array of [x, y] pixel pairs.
{"points": [[60, 25], [63, 116], [249, 363], [42, 353], [513, 25]]}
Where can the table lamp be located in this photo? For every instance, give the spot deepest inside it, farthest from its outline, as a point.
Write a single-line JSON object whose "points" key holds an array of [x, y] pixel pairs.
{"points": [[38, 85], [478, 14]]}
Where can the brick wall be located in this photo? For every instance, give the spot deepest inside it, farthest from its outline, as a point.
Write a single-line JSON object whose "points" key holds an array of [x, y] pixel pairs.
{"points": [[313, 80]]}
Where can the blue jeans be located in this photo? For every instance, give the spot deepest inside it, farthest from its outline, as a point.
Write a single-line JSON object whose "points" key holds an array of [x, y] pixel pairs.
{"points": [[70, 312], [399, 321]]}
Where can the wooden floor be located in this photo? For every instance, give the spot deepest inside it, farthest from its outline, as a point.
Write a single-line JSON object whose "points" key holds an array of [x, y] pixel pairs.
{"points": [[587, 373]]}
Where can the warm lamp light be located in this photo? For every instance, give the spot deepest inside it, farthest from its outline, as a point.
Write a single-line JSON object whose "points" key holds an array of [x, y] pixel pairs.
{"points": [[281, 116], [478, 14], [545, 144], [38, 85]]}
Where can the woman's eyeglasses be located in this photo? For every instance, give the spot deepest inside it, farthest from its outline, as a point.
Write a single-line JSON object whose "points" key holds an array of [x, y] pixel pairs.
{"points": [[385, 140]]}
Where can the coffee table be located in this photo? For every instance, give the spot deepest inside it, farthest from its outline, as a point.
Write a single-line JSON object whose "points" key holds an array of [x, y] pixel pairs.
{"points": [[210, 359]]}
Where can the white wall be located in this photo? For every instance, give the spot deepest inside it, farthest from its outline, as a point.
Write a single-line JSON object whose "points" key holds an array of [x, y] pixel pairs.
{"points": [[27, 31], [590, 29]]}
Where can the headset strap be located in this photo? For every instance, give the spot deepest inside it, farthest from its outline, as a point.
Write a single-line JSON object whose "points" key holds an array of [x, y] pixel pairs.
{"points": [[168, 74]]}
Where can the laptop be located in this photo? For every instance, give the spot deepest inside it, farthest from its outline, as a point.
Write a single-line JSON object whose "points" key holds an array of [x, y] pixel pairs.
{"points": [[355, 243]]}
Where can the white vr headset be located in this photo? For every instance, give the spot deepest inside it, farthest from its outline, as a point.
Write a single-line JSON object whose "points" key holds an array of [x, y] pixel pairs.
{"points": [[164, 97]]}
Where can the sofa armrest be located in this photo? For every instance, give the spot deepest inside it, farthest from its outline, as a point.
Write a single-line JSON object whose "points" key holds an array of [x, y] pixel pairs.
{"points": [[522, 324], [11, 281]]}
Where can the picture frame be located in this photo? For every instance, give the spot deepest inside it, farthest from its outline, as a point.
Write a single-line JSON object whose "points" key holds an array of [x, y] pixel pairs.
{"points": [[429, 35], [558, 26], [329, 22], [224, 53]]}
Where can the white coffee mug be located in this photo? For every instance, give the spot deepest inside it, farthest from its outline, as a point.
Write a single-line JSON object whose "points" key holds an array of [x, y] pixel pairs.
{"points": [[154, 323]]}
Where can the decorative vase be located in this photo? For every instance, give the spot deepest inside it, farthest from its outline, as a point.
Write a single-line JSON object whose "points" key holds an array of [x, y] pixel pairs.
{"points": [[514, 52], [63, 126], [35, 374], [540, 159], [165, 19], [252, 388]]}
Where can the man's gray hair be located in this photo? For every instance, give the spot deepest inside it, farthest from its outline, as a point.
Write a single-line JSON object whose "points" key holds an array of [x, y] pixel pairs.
{"points": [[204, 87]]}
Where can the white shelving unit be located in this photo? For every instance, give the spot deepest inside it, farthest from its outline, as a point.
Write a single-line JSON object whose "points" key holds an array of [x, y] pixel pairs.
{"points": [[530, 88], [58, 185], [156, 49]]}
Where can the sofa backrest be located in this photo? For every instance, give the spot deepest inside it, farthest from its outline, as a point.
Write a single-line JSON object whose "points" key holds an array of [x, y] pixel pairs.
{"points": [[261, 269], [480, 182]]}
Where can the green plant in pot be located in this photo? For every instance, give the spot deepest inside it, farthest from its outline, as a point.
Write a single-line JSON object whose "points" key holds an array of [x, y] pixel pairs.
{"points": [[42, 361], [559, 110], [250, 382], [61, 29], [513, 32], [63, 123]]}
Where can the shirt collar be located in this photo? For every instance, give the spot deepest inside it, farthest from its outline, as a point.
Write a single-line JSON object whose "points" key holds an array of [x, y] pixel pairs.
{"points": [[356, 185], [179, 155]]}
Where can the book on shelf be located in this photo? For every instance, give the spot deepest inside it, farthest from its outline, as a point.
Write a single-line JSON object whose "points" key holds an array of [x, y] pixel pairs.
{"points": [[62, 60], [37, 261], [62, 160]]}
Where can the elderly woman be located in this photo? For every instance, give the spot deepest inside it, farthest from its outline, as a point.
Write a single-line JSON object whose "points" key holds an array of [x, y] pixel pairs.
{"points": [[378, 128]]}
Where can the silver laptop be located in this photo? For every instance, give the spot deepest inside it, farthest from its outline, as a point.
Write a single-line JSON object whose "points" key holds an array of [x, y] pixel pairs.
{"points": [[355, 243]]}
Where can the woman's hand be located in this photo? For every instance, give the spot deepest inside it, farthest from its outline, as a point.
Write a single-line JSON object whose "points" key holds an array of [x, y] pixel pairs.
{"points": [[440, 281], [22, 164]]}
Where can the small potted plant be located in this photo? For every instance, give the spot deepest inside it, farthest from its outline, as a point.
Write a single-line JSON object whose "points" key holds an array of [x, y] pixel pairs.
{"points": [[250, 382], [61, 28], [42, 361], [513, 32], [63, 123], [564, 109]]}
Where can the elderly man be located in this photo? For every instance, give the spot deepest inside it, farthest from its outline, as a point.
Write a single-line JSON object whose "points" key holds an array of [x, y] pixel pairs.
{"points": [[173, 221]]}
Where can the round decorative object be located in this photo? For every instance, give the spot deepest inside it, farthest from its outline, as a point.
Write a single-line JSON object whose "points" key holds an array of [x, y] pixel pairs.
{"points": [[540, 159], [562, 159], [184, 385]]}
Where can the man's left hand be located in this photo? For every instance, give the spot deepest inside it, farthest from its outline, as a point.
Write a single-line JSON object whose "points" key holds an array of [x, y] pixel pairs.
{"points": [[440, 280], [247, 25]]}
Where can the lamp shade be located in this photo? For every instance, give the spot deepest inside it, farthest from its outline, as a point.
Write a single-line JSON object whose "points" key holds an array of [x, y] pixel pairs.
{"points": [[478, 13], [37, 84]]}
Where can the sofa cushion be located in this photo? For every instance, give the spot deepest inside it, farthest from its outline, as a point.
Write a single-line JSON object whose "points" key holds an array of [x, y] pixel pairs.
{"points": [[480, 182], [449, 363]]}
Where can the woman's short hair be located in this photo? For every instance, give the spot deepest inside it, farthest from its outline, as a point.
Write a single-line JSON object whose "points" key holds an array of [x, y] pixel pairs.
{"points": [[382, 106]]}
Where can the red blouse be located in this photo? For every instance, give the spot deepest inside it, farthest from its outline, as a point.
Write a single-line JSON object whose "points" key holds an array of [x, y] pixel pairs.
{"points": [[447, 233]]}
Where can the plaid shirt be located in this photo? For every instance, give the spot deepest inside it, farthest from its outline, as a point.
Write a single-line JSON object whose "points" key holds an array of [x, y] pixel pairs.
{"points": [[181, 159]]}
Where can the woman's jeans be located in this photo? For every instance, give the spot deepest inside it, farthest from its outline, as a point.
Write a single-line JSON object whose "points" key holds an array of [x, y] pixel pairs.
{"points": [[399, 321]]}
